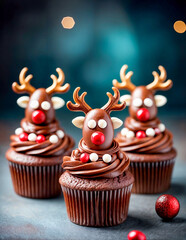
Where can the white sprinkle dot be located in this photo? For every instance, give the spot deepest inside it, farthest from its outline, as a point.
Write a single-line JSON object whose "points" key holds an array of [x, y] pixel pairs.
{"points": [[60, 133], [45, 105], [34, 104], [53, 139], [107, 158], [93, 157], [130, 134], [18, 131], [161, 127], [124, 131], [150, 132], [32, 137]]}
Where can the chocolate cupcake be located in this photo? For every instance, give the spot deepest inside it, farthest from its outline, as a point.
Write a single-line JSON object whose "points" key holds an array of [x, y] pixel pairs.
{"points": [[96, 184], [145, 139], [38, 146]]}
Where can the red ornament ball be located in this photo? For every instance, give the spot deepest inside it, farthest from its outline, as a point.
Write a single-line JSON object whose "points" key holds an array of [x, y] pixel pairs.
{"points": [[40, 138], [98, 138], [143, 114], [167, 206], [157, 131], [136, 235], [84, 157], [140, 134], [38, 117], [23, 137]]}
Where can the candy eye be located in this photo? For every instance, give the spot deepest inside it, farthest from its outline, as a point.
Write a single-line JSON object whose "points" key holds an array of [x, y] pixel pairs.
{"points": [[34, 104], [148, 102], [45, 105], [102, 123], [137, 102], [91, 123]]}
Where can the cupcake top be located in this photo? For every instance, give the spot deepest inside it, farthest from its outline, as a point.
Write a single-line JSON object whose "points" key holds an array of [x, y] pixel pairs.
{"points": [[143, 131], [98, 154], [40, 133]]}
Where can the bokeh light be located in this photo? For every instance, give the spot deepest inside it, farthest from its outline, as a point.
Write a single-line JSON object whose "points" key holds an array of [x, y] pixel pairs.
{"points": [[179, 26], [68, 22]]}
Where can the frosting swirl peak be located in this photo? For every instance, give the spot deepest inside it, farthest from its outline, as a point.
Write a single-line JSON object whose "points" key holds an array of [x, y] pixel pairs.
{"points": [[99, 168]]}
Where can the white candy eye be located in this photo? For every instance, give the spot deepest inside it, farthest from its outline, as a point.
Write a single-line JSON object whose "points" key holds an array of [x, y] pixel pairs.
{"points": [[45, 105], [34, 104], [137, 102], [148, 102], [102, 123], [91, 123]]}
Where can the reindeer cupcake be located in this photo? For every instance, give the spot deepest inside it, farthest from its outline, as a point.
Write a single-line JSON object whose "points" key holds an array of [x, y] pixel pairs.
{"points": [[38, 146], [145, 139], [96, 184]]}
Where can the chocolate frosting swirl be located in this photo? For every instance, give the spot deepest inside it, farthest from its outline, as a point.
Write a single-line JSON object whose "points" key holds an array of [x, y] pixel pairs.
{"points": [[46, 148], [160, 143], [98, 169]]}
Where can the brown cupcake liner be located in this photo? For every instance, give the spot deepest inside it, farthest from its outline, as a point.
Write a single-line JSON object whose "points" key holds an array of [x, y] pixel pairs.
{"points": [[151, 177], [36, 181], [97, 208]]}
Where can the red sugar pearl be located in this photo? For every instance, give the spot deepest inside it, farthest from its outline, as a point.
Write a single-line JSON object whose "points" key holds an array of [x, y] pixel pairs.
{"points": [[140, 134], [167, 206], [136, 235], [23, 137], [40, 138], [157, 131], [84, 157]]}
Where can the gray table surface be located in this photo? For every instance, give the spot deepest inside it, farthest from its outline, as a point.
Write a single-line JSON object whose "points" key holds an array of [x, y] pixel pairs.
{"points": [[22, 218]]}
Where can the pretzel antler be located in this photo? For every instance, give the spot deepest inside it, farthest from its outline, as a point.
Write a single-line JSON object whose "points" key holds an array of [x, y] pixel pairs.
{"points": [[57, 82], [80, 104], [112, 104], [126, 80], [158, 83], [25, 86]]}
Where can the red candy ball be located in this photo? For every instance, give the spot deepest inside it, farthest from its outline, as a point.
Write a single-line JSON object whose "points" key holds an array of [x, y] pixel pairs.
{"points": [[143, 114], [140, 134], [98, 138], [38, 117], [84, 157], [157, 131], [40, 138], [167, 206], [23, 137], [136, 235]]}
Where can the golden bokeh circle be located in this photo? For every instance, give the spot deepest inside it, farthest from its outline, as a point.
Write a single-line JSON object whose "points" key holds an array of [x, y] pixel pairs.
{"points": [[68, 22], [179, 26]]}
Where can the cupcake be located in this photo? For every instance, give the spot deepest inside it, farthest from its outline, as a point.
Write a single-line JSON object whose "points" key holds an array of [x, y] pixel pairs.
{"points": [[96, 184], [144, 138], [39, 144]]}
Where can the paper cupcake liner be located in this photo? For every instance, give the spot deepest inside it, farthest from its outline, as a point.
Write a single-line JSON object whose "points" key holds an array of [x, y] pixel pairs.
{"points": [[97, 208], [36, 181], [151, 177]]}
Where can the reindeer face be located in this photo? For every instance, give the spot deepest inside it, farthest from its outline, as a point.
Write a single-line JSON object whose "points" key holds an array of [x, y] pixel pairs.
{"points": [[142, 105], [40, 108], [98, 127], [98, 131], [142, 102], [40, 105]]}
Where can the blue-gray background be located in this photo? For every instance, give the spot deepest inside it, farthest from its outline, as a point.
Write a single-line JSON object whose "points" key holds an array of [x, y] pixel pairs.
{"points": [[107, 34]]}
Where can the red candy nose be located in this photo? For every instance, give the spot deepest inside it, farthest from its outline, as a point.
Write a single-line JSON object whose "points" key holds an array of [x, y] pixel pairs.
{"points": [[98, 138], [38, 117], [143, 114]]}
